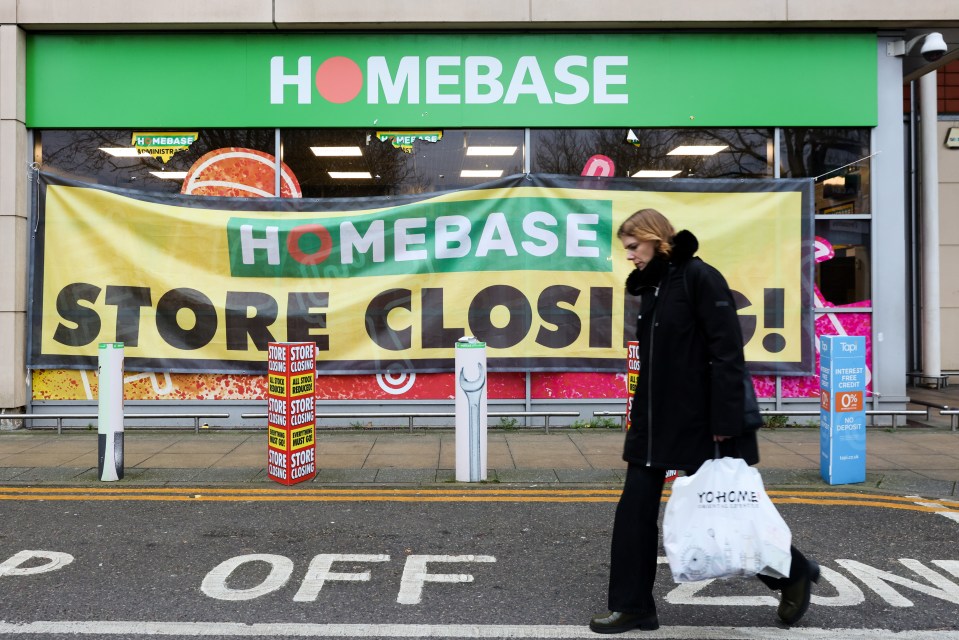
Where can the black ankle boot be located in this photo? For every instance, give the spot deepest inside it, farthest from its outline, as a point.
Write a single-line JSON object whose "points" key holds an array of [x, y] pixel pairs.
{"points": [[618, 622], [795, 596]]}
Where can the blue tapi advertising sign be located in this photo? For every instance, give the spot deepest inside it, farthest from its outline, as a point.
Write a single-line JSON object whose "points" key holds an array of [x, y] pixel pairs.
{"points": [[842, 414]]}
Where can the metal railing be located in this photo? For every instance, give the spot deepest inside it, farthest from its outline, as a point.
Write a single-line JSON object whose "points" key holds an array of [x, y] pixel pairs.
{"points": [[916, 378], [953, 417], [353, 416], [944, 410], [60, 417], [810, 413], [546, 415], [196, 417]]}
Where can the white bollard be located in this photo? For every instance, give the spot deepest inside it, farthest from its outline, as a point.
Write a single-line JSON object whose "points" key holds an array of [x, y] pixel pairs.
{"points": [[470, 364], [110, 412]]}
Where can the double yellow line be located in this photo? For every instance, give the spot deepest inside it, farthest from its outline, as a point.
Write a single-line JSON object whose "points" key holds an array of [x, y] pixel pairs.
{"points": [[477, 494], [297, 494]]}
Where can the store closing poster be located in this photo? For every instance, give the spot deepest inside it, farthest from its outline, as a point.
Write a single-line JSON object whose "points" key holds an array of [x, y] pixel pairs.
{"points": [[196, 288]]}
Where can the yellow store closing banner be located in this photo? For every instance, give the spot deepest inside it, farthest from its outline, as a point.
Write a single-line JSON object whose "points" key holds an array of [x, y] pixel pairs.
{"points": [[529, 264]]}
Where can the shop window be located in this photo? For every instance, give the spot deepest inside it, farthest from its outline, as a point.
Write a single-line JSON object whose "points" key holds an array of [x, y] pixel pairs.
{"points": [[108, 156], [843, 263], [665, 153], [357, 163], [837, 159]]}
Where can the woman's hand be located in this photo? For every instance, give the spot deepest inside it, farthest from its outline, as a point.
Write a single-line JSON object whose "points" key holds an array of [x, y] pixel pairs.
{"points": [[721, 438]]}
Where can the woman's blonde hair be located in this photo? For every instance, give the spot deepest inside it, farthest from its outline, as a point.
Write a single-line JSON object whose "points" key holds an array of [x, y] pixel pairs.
{"points": [[646, 225]]}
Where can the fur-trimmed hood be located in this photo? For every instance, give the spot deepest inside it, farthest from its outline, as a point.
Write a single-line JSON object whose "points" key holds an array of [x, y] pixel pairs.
{"points": [[684, 246]]}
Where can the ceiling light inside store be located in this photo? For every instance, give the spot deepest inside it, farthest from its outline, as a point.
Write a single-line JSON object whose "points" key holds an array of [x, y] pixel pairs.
{"points": [[124, 152], [490, 151], [169, 175], [697, 150], [350, 175], [336, 152], [656, 173], [481, 173]]}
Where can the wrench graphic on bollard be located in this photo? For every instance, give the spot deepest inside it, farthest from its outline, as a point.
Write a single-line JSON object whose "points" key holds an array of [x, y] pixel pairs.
{"points": [[474, 390]]}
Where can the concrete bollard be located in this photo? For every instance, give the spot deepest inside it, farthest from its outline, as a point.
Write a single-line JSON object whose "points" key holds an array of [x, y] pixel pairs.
{"points": [[470, 363], [110, 412]]}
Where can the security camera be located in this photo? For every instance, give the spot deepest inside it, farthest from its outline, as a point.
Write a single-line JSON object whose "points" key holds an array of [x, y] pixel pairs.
{"points": [[933, 47]]}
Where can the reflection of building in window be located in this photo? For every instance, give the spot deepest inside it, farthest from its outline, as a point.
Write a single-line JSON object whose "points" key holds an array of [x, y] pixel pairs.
{"points": [[837, 158]]}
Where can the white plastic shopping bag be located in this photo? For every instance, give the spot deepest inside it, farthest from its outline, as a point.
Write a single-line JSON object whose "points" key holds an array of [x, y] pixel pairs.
{"points": [[719, 523]]}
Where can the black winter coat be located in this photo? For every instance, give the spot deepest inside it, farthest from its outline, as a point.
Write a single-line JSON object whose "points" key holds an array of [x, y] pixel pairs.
{"points": [[690, 385]]}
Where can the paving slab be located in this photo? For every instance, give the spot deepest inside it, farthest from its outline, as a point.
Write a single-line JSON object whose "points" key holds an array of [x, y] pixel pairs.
{"points": [[169, 474], [449, 476], [239, 461], [180, 460], [90, 476], [786, 477], [11, 444], [588, 475], [915, 483], [227, 474], [914, 460], [52, 474], [401, 461], [346, 476], [526, 475], [340, 461], [406, 476], [10, 473]]}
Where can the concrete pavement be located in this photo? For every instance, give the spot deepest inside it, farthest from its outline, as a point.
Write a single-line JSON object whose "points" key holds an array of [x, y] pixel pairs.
{"points": [[916, 459]]}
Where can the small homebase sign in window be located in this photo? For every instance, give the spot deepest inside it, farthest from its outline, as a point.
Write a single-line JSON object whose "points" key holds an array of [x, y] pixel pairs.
{"points": [[291, 412]]}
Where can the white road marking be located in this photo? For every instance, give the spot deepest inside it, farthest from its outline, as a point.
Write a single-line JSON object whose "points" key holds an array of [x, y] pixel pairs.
{"points": [[153, 628], [321, 571], [848, 594], [13, 566], [952, 515], [415, 575], [214, 584], [879, 581]]}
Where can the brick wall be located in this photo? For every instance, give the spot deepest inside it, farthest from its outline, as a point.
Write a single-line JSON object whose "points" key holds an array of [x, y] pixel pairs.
{"points": [[948, 82]]}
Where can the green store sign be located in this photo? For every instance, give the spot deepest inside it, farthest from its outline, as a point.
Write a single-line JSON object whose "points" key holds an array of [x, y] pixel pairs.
{"points": [[430, 81]]}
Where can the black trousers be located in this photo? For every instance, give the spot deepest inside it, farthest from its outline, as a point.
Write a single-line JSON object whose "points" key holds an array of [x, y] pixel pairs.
{"points": [[635, 546]]}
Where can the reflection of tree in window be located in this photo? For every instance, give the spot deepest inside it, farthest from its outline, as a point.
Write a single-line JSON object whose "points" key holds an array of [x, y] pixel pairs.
{"points": [[837, 158], [748, 153], [562, 151], [390, 172], [567, 150], [811, 152], [76, 154]]}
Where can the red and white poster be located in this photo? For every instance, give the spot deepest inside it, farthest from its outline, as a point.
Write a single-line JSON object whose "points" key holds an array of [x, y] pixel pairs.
{"points": [[291, 416], [632, 379]]}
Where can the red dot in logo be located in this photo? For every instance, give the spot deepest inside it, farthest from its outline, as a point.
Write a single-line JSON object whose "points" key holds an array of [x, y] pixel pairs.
{"points": [[339, 80]]}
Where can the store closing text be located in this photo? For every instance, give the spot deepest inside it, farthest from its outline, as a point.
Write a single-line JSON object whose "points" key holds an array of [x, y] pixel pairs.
{"points": [[188, 319]]}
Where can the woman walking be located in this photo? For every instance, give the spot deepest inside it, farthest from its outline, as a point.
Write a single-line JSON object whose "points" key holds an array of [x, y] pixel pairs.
{"points": [[688, 400]]}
